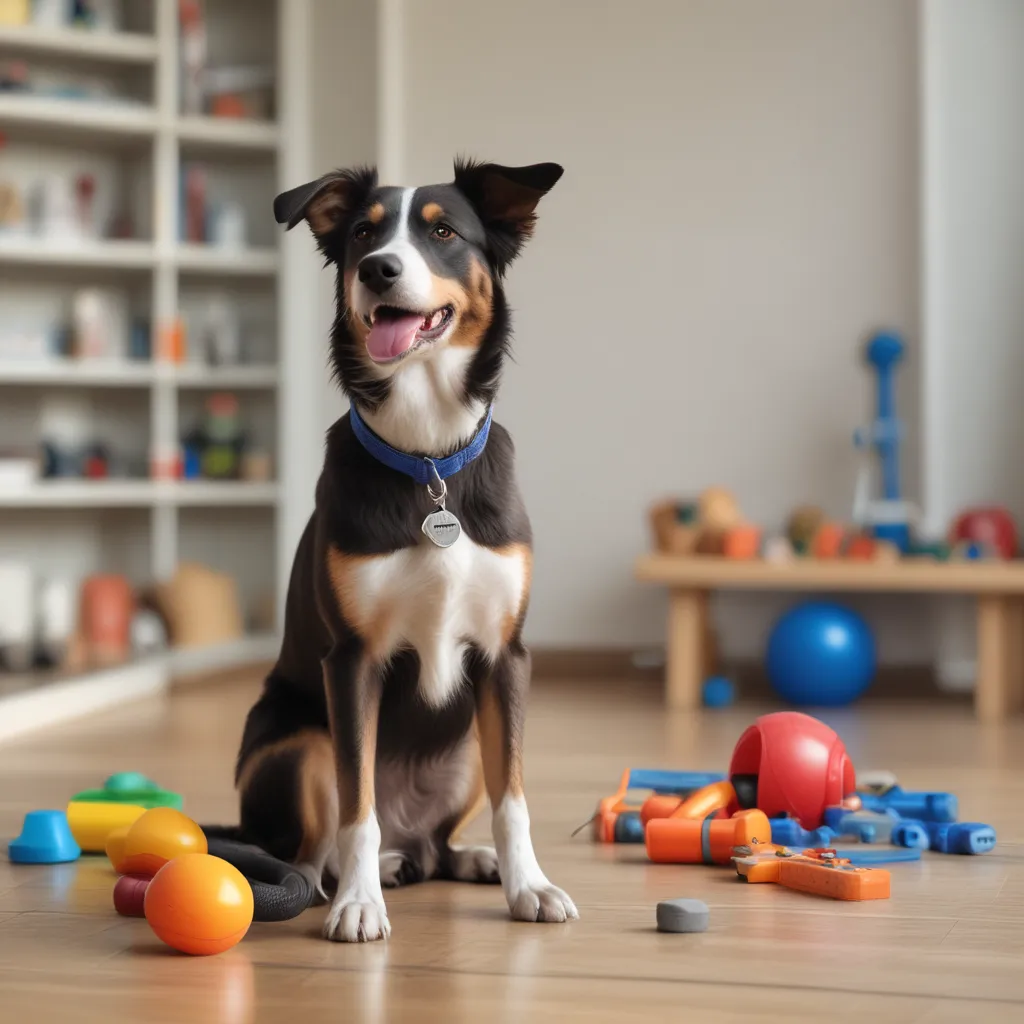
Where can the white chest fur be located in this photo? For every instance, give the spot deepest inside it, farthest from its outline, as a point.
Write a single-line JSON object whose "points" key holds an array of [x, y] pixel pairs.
{"points": [[438, 600]]}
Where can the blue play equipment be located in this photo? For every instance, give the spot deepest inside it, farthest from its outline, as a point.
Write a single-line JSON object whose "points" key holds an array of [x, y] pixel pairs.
{"points": [[45, 839], [887, 518], [718, 692], [821, 654]]}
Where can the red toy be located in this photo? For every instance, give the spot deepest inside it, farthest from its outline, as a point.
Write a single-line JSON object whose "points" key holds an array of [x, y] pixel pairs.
{"points": [[789, 764], [993, 527]]}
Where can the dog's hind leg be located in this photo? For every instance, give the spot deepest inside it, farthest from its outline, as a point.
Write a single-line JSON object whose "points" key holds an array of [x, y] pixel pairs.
{"points": [[289, 800]]}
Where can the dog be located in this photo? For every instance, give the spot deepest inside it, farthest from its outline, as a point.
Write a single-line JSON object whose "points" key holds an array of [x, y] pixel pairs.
{"points": [[397, 704]]}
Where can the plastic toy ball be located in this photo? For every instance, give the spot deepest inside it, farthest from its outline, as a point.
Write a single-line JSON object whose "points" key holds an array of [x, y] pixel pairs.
{"points": [[718, 692], [821, 655], [160, 835], [199, 904]]}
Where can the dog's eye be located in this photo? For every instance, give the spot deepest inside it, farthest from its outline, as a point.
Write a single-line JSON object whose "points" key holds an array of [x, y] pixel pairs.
{"points": [[362, 233], [443, 232]]}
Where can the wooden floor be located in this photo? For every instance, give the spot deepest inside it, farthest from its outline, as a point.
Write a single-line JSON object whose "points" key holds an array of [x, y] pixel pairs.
{"points": [[948, 946]]}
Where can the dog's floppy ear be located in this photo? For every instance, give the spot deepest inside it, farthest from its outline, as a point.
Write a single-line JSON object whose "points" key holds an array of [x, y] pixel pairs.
{"points": [[326, 202], [506, 199]]}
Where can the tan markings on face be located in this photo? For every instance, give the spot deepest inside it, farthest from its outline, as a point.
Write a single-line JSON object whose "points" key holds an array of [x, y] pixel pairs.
{"points": [[375, 214], [513, 620], [318, 796], [432, 212], [372, 625], [357, 327], [472, 304]]}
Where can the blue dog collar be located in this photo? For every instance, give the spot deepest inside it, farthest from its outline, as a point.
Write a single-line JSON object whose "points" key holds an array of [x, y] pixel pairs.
{"points": [[423, 470]]}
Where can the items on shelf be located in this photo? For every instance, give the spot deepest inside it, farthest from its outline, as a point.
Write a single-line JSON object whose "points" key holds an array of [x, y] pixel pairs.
{"points": [[107, 607], [214, 448], [231, 91], [221, 224], [200, 606], [15, 12]]}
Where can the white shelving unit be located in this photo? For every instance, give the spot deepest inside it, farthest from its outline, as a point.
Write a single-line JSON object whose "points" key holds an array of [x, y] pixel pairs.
{"points": [[166, 521]]}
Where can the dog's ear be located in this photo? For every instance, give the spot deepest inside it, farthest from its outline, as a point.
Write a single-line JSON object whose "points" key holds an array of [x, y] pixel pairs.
{"points": [[326, 202], [506, 199]]}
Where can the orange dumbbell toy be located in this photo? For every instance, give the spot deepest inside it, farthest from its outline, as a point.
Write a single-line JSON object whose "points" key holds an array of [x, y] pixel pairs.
{"points": [[199, 904], [159, 836], [707, 841], [706, 801]]}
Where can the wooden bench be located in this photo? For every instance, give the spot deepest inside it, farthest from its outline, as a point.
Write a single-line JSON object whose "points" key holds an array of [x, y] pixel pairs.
{"points": [[998, 588]]}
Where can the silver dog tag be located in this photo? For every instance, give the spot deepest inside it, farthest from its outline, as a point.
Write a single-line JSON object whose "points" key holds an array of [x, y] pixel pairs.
{"points": [[442, 528]]}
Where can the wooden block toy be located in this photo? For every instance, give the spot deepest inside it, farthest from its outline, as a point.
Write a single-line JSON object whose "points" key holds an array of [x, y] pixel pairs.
{"points": [[820, 872], [828, 541], [742, 542]]}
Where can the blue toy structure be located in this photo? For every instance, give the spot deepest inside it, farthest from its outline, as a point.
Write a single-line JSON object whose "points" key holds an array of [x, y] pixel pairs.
{"points": [[887, 518]]}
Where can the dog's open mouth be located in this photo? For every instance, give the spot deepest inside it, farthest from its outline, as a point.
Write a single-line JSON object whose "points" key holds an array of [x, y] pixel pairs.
{"points": [[397, 332]]}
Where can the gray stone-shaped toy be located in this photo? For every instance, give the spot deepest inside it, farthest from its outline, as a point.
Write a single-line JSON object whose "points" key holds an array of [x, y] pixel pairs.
{"points": [[683, 916]]}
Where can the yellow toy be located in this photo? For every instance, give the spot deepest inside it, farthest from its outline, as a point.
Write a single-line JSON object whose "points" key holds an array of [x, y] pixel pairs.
{"points": [[91, 824]]}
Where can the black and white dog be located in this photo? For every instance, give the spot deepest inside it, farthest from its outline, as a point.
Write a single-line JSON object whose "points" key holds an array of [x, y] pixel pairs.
{"points": [[399, 695]]}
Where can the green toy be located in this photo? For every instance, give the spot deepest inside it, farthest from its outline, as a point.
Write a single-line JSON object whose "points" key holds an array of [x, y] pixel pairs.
{"points": [[131, 788]]}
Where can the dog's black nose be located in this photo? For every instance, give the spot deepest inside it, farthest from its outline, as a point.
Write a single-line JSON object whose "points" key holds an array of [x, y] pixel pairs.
{"points": [[380, 272]]}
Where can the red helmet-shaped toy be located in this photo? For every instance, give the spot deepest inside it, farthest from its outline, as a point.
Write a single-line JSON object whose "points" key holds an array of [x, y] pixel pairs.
{"points": [[791, 764]]}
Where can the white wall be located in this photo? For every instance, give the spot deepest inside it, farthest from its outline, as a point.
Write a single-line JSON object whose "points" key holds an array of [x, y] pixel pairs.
{"points": [[345, 134], [738, 209], [974, 254], [972, 267]]}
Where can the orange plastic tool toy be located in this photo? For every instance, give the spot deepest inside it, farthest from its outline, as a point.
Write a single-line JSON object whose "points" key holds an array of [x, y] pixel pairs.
{"points": [[706, 801], [819, 871], [707, 841]]}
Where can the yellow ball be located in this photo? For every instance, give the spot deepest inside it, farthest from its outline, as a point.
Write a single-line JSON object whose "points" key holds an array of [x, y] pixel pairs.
{"points": [[160, 835]]}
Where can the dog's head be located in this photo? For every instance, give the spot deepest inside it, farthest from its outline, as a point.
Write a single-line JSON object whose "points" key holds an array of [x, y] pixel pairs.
{"points": [[419, 269]]}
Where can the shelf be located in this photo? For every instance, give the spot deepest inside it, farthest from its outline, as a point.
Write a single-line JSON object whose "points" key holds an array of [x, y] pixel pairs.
{"points": [[184, 661], [102, 255], [196, 376], [207, 259], [119, 47], [38, 700], [211, 134], [79, 119], [48, 699], [72, 494], [74, 373], [112, 373]]}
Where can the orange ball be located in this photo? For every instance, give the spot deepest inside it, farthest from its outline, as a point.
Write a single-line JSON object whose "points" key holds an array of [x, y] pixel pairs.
{"points": [[159, 836], [199, 904]]}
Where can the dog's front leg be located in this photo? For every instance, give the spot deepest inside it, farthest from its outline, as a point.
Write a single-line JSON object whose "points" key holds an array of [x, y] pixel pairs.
{"points": [[353, 690], [501, 712]]}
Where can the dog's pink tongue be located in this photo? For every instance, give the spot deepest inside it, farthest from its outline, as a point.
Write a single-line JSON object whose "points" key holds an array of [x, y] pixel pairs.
{"points": [[389, 338]]}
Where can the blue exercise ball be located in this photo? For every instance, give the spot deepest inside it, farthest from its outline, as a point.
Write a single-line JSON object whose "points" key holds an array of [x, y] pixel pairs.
{"points": [[821, 654]]}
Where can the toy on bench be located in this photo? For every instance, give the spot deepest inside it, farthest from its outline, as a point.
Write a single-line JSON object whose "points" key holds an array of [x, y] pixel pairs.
{"points": [[820, 872]]}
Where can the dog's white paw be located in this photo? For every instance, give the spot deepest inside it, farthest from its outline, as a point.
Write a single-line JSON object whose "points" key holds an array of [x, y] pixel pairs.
{"points": [[544, 902], [475, 864], [353, 920]]}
